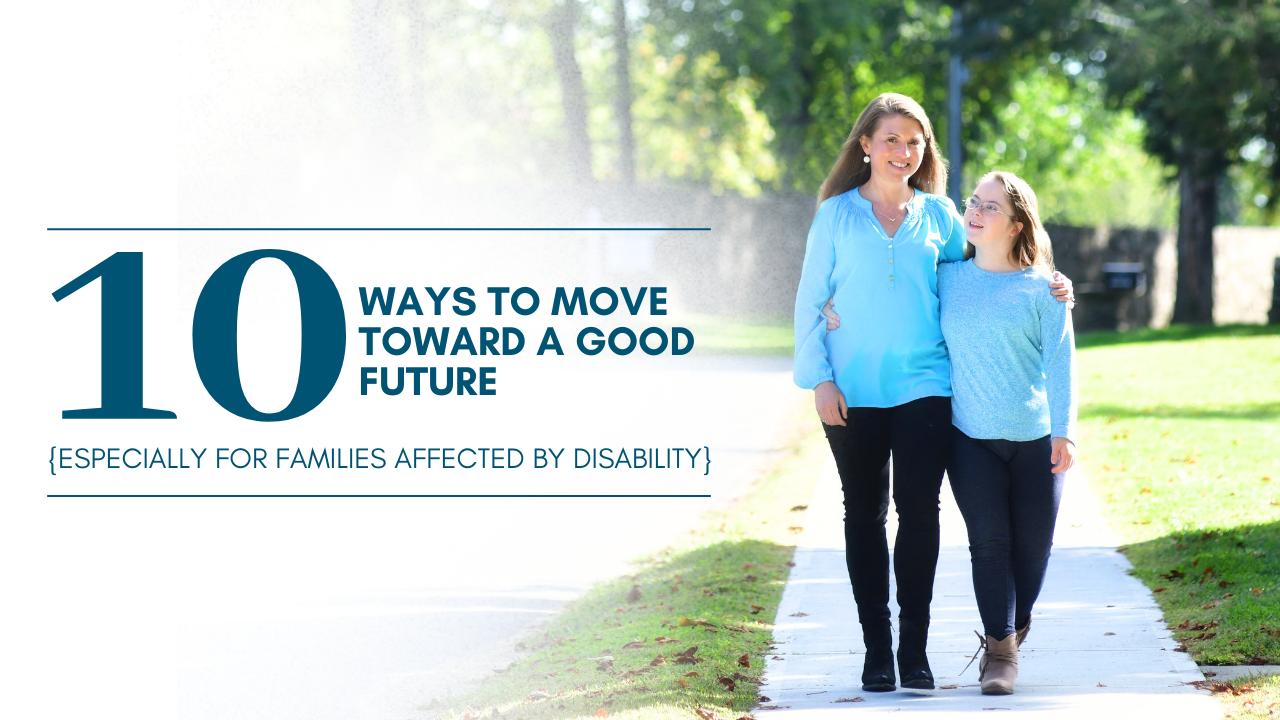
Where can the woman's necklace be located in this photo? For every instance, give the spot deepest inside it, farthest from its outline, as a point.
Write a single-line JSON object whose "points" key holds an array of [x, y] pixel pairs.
{"points": [[886, 215]]}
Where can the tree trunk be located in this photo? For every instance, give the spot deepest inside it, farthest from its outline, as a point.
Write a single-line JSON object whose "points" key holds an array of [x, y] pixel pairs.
{"points": [[1197, 215], [560, 27], [626, 141]]}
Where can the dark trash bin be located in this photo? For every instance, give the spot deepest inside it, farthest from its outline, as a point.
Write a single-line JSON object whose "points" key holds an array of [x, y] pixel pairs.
{"points": [[1101, 305]]}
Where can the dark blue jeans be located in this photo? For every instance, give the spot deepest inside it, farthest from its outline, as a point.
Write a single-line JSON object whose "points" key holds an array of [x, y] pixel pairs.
{"points": [[1008, 494]]}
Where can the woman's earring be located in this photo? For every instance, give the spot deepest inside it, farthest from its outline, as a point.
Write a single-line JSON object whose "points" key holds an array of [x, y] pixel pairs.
{"points": [[866, 158]]}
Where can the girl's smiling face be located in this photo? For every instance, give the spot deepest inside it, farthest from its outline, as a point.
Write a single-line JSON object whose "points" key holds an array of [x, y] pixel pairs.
{"points": [[989, 219], [896, 148]]}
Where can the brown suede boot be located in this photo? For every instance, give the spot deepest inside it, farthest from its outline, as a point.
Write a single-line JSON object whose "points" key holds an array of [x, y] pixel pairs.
{"points": [[1022, 632], [998, 667]]}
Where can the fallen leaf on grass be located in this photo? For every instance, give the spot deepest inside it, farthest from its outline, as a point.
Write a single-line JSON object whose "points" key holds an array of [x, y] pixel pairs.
{"points": [[755, 609], [749, 578], [728, 682], [660, 660], [662, 639], [634, 672], [737, 628], [633, 645], [792, 564], [744, 661], [1159, 589], [707, 714], [682, 683], [692, 673], [852, 699], [1256, 591], [687, 658], [1174, 574], [1215, 687], [690, 622]]}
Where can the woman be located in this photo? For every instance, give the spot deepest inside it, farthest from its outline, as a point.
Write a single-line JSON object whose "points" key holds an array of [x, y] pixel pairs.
{"points": [[882, 383], [1013, 410]]}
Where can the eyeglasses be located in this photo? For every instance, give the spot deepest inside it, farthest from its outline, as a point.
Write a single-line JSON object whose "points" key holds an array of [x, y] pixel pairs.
{"points": [[973, 203]]}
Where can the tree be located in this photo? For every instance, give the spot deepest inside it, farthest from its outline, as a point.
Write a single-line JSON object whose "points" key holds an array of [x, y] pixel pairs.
{"points": [[1203, 76], [817, 63], [562, 22], [622, 103]]}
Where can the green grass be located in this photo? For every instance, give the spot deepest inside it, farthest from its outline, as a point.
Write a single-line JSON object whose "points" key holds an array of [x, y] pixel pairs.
{"points": [[714, 335], [716, 589], [1248, 698], [1180, 437]]}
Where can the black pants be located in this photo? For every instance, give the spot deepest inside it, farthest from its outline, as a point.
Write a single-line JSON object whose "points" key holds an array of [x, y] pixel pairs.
{"points": [[1009, 495], [918, 434]]}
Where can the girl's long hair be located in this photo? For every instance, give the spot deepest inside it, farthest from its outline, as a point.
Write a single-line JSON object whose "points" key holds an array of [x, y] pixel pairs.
{"points": [[1032, 246], [850, 171]]}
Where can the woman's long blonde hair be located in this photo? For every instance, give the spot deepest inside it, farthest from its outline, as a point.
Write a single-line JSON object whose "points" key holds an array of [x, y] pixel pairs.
{"points": [[1032, 246], [850, 171]]}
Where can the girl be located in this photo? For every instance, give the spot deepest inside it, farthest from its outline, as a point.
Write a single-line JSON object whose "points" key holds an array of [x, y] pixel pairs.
{"points": [[1013, 410], [882, 384]]}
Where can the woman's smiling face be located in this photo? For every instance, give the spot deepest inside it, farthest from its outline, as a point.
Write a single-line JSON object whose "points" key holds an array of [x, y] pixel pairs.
{"points": [[896, 148]]}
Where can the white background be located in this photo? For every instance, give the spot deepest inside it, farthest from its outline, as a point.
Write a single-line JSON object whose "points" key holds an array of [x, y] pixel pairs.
{"points": [[110, 112]]}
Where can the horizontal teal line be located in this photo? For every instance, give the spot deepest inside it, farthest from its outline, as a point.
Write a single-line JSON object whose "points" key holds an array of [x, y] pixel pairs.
{"points": [[376, 229], [378, 496]]}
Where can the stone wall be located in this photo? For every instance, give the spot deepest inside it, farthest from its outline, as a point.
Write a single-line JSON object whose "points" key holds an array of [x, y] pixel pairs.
{"points": [[749, 263], [1243, 273]]}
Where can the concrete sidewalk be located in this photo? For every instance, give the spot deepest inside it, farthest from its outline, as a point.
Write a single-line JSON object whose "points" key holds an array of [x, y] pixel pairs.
{"points": [[1098, 646]]}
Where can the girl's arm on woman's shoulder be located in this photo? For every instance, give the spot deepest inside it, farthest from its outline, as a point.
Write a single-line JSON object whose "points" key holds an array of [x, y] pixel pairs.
{"points": [[811, 365], [1058, 353]]}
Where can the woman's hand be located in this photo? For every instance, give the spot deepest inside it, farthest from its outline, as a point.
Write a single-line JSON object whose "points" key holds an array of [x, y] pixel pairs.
{"points": [[832, 409], [1063, 455], [833, 320], [1061, 289]]}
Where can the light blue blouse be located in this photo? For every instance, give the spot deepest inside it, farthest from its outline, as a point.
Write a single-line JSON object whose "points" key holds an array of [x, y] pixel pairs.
{"points": [[888, 349]]}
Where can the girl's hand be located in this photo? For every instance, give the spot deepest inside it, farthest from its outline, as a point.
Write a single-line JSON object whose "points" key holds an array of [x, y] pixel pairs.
{"points": [[1061, 289], [1063, 455], [833, 320], [832, 409]]}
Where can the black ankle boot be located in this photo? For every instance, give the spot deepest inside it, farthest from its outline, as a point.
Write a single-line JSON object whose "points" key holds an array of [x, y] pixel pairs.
{"points": [[912, 662], [877, 668]]}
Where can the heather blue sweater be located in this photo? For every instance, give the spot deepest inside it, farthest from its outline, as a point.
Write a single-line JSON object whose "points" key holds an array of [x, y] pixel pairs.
{"points": [[1013, 367]]}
